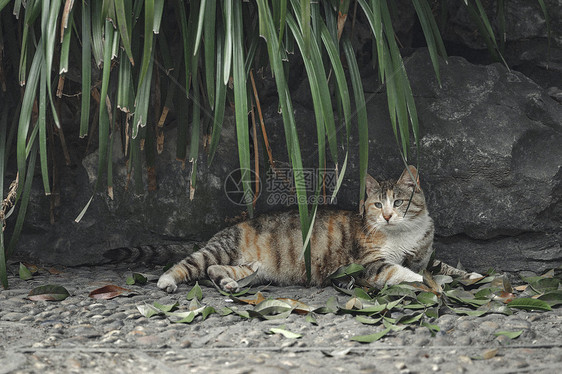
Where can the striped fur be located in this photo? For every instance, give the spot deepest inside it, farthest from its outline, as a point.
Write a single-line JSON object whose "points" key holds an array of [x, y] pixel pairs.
{"points": [[393, 241]]}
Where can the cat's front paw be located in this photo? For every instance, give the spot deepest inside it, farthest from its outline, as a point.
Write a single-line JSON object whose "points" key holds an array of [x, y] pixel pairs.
{"points": [[229, 285], [167, 283]]}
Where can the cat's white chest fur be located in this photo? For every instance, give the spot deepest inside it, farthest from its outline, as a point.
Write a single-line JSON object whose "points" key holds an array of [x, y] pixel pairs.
{"points": [[404, 239]]}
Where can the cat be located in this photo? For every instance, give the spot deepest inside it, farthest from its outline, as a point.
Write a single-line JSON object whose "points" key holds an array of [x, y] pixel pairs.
{"points": [[392, 241]]}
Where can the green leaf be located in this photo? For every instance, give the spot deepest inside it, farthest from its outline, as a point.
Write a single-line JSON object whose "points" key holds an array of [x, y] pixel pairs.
{"points": [[552, 298], [225, 311], [368, 320], [25, 274], [310, 319], [361, 110], [148, 310], [410, 318], [241, 104], [207, 311], [349, 270], [188, 318], [432, 328], [469, 312], [165, 307], [286, 333], [331, 306], [122, 13], [268, 307], [529, 304], [372, 337], [195, 292], [427, 298], [545, 285], [136, 278], [509, 334], [49, 292]]}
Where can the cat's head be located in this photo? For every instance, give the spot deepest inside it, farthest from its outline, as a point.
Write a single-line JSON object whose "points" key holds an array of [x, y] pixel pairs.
{"points": [[387, 202]]}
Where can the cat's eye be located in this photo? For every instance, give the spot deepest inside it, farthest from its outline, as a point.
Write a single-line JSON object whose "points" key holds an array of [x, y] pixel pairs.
{"points": [[378, 205], [397, 203]]}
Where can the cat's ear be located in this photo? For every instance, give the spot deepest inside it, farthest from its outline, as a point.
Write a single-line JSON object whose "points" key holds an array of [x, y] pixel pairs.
{"points": [[371, 184], [406, 178]]}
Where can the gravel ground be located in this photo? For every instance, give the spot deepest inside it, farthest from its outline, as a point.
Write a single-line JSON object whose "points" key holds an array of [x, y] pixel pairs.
{"points": [[81, 334]]}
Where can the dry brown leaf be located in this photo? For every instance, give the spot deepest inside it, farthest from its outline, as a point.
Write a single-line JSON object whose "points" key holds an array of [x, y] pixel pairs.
{"points": [[354, 303], [54, 271], [490, 353], [521, 288], [299, 307], [32, 268], [108, 292], [254, 300]]}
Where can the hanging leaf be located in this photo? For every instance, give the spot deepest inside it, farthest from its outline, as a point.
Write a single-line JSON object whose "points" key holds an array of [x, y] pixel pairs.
{"points": [[49, 293]]}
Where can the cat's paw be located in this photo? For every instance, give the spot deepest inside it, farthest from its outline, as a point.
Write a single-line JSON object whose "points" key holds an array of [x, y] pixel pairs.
{"points": [[474, 276], [167, 283], [229, 285]]}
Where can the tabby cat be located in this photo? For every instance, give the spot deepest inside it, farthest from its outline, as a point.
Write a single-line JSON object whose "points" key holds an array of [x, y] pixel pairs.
{"points": [[393, 241]]}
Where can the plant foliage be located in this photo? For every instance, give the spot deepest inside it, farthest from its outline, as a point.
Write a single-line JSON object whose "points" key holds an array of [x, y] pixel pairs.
{"points": [[133, 62]]}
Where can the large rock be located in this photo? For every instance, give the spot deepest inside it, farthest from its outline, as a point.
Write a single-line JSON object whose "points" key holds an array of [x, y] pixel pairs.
{"points": [[490, 159]]}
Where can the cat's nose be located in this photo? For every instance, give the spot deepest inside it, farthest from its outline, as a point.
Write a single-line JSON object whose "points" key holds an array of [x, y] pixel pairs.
{"points": [[387, 217]]}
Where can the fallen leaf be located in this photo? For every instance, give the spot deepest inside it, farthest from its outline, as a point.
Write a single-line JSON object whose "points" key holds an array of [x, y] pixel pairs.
{"points": [[148, 310], [552, 298], [109, 292], [195, 293], [371, 337], [298, 306], [490, 353], [521, 288], [49, 293], [253, 300], [337, 352], [368, 320], [25, 274], [310, 319], [354, 303], [286, 333], [207, 311], [32, 268], [509, 334], [165, 307], [529, 304], [137, 278], [54, 271], [268, 307]]}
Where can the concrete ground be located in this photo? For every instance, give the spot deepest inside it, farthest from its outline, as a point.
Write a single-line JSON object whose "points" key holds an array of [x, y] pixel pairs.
{"points": [[86, 335]]}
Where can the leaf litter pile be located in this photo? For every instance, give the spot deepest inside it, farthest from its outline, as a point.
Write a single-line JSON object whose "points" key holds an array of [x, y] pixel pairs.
{"points": [[394, 308]]}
